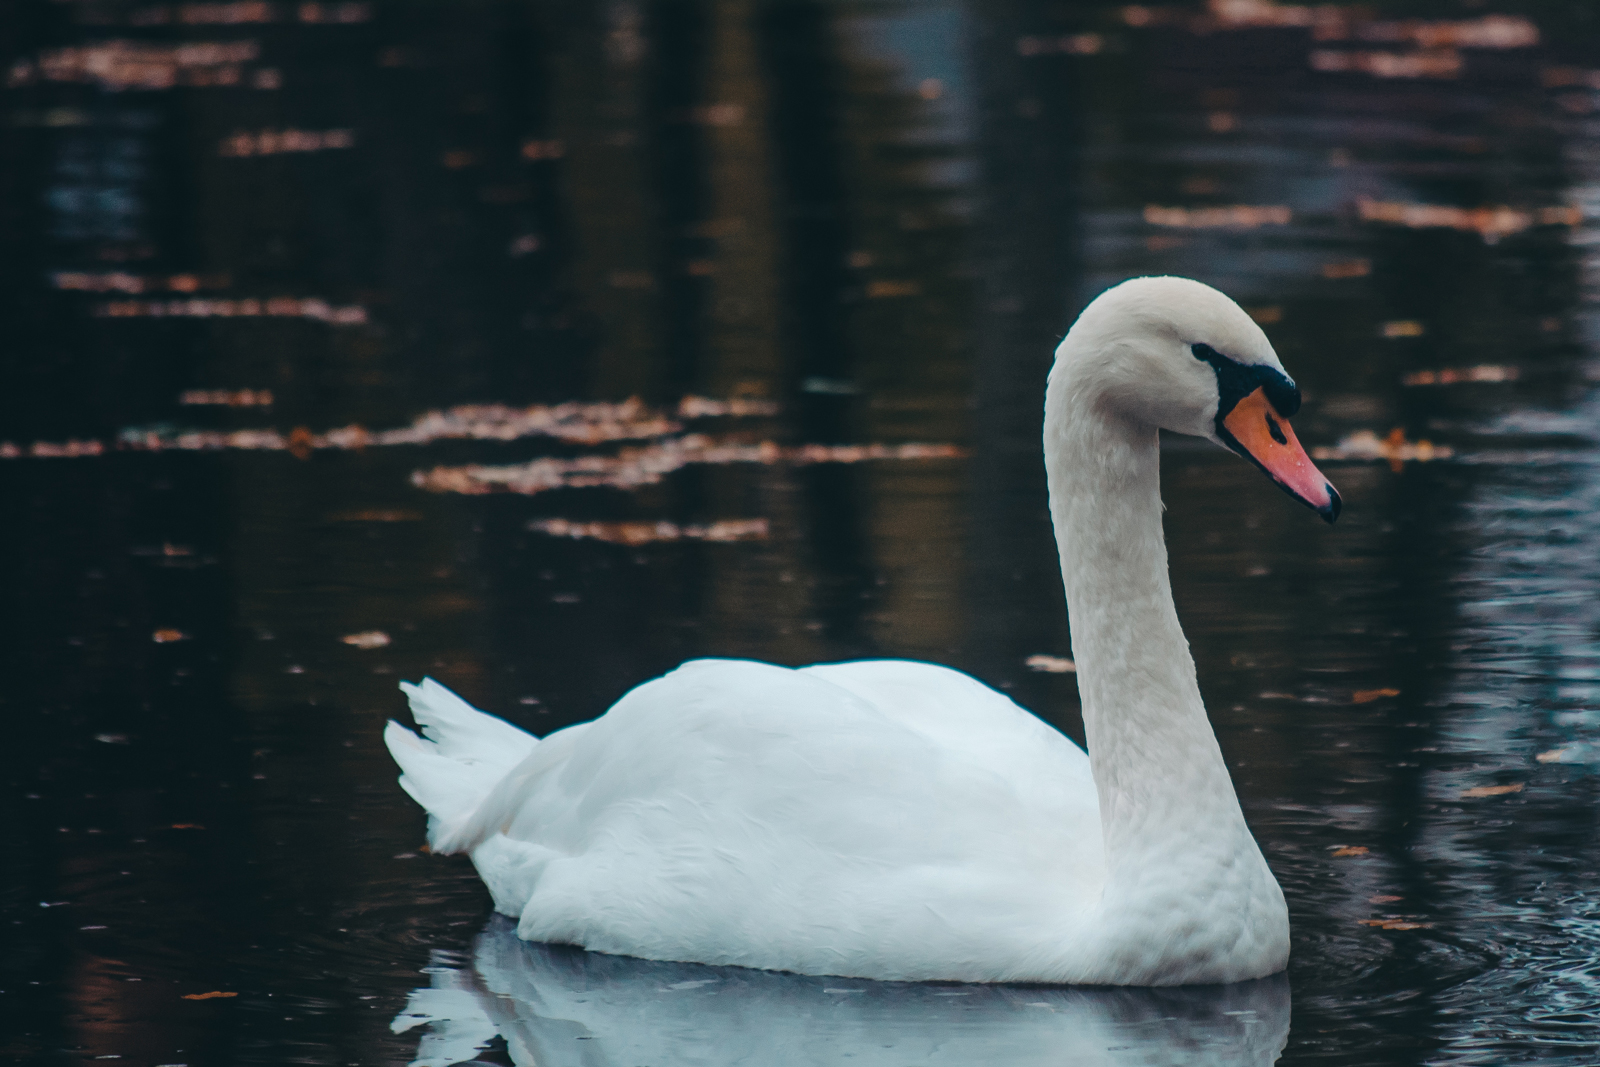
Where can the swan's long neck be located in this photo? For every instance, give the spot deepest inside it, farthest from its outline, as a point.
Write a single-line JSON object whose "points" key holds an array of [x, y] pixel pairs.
{"points": [[1166, 799]]}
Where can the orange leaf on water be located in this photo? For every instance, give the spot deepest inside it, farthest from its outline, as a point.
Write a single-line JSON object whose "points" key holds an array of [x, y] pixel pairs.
{"points": [[301, 443], [1492, 790], [1367, 696], [208, 996], [1350, 850], [1394, 924], [367, 639]]}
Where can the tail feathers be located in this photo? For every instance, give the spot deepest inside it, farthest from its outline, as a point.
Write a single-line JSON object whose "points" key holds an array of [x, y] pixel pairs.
{"points": [[464, 733], [465, 753], [444, 787]]}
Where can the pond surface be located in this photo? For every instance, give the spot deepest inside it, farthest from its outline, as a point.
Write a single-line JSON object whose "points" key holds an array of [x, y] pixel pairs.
{"points": [[323, 322]]}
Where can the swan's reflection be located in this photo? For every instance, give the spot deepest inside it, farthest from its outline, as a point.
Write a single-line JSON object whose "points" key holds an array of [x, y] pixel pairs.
{"points": [[561, 1006]]}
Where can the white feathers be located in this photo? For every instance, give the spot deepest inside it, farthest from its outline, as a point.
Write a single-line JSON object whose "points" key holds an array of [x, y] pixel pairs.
{"points": [[465, 754]]}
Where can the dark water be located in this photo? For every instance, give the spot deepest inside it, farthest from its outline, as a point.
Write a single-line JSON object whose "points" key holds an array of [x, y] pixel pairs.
{"points": [[869, 222]]}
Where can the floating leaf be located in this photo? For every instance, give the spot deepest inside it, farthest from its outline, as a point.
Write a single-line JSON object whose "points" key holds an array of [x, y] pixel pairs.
{"points": [[543, 149], [376, 515], [1395, 924], [1073, 44], [208, 996], [1341, 851], [187, 826], [884, 288], [1493, 790], [301, 443], [367, 639], [164, 636], [1051, 664], [1350, 268], [1367, 696]]}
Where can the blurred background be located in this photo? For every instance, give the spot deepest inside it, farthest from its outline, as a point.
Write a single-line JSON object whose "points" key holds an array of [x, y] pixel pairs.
{"points": [[538, 346]]}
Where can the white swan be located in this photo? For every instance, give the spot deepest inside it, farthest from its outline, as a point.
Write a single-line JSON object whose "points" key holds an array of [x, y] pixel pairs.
{"points": [[897, 820]]}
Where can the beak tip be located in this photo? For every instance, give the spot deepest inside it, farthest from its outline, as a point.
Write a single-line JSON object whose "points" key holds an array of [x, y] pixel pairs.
{"points": [[1330, 510]]}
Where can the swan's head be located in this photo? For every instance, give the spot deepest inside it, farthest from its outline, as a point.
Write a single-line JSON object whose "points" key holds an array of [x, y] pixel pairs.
{"points": [[1176, 354]]}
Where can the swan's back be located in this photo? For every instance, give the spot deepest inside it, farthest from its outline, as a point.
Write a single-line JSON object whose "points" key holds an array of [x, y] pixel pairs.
{"points": [[880, 819]]}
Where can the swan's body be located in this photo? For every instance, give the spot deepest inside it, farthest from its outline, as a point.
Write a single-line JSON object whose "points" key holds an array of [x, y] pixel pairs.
{"points": [[897, 820]]}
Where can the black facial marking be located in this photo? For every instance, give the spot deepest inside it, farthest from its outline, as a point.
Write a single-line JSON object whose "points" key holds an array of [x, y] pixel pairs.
{"points": [[1276, 431], [1236, 380]]}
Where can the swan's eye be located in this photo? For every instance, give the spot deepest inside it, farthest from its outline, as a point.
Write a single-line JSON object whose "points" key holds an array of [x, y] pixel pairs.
{"points": [[1237, 380], [1276, 431]]}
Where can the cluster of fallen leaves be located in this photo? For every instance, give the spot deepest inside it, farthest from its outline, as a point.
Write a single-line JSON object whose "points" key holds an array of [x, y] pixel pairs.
{"points": [[231, 398], [575, 422], [243, 144], [1395, 924], [1364, 444], [634, 467], [641, 533], [1455, 375], [1430, 63], [1236, 216], [1418, 48], [122, 282], [1490, 222], [277, 307], [118, 65], [1334, 22]]}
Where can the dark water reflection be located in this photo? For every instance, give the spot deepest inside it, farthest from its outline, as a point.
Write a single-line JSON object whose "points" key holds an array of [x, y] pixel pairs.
{"points": [[870, 222]]}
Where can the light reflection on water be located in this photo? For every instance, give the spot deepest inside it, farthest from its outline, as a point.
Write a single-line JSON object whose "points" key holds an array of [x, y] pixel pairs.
{"points": [[867, 225]]}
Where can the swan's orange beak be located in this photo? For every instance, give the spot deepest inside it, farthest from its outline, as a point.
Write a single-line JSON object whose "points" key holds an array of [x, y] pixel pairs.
{"points": [[1258, 433]]}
